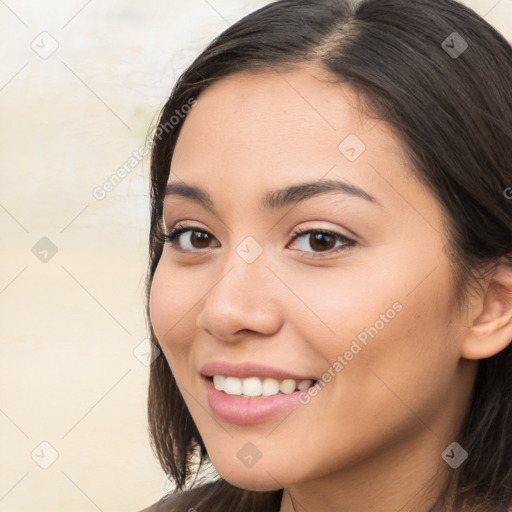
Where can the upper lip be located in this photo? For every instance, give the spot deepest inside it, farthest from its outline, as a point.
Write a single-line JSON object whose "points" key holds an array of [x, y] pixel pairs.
{"points": [[249, 369]]}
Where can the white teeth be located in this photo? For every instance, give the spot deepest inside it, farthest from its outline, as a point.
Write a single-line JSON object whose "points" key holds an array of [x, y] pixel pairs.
{"points": [[304, 384], [218, 381], [287, 386], [233, 386], [270, 387], [253, 386]]}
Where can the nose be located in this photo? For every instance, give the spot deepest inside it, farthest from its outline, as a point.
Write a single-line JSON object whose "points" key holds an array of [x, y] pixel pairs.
{"points": [[241, 299]]}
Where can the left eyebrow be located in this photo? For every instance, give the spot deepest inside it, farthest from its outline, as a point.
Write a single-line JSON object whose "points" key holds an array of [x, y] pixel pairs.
{"points": [[275, 199]]}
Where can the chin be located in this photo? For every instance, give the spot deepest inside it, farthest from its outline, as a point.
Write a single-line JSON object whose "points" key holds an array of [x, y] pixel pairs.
{"points": [[251, 484], [252, 479]]}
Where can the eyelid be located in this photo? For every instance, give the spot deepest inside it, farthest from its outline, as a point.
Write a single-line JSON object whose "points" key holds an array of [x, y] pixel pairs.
{"points": [[176, 230], [181, 227]]}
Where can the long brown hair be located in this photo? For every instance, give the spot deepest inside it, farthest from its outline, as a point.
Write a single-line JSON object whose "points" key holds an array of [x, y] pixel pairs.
{"points": [[450, 104]]}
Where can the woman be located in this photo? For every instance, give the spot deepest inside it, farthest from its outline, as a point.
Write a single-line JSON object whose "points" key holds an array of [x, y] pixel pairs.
{"points": [[330, 277]]}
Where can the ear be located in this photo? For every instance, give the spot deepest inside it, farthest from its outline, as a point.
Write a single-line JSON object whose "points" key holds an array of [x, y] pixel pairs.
{"points": [[490, 329]]}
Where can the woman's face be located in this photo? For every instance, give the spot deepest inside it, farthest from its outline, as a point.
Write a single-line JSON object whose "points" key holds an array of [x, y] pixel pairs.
{"points": [[372, 320]]}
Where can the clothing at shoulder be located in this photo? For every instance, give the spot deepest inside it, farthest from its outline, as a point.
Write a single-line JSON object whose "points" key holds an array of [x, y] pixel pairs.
{"points": [[176, 502], [163, 505]]}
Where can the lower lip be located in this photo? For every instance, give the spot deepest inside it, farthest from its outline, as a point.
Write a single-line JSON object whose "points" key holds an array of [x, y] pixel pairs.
{"points": [[244, 411]]}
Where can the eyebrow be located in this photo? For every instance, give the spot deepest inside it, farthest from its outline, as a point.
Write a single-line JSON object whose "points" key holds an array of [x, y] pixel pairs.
{"points": [[275, 199]]}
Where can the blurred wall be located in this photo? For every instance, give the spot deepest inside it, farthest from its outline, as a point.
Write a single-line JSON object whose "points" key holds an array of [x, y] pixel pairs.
{"points": [[80, 84]]}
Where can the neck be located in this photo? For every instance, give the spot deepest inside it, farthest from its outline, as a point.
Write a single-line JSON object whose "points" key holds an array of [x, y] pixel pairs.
{"points": [[400, 478]]}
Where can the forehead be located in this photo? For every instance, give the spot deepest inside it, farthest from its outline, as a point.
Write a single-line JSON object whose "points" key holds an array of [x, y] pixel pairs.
{"points": [[256, 131], [275, 110], [273, 116]]}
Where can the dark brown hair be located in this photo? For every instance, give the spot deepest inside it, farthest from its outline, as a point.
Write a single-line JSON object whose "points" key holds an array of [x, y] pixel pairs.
{"points": [[452, 113]]}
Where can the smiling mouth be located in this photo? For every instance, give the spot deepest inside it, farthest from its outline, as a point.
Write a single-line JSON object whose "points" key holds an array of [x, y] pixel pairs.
{"points": [[258, 387]]}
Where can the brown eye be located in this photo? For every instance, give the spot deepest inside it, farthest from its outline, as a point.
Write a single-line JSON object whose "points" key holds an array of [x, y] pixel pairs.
{"points": [[198, 239], [322, 241]]}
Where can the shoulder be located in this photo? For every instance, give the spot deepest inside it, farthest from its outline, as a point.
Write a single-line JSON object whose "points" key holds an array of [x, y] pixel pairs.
{"points": [[169, 503], [216, 495], [179, 501], [162, 505]]}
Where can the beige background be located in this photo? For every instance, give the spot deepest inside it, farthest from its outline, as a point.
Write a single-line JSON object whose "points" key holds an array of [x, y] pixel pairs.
{"points": [[72, 370]]}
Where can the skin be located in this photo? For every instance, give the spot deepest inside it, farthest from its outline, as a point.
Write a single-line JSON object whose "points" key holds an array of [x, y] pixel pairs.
{"points": [[372, 438]]}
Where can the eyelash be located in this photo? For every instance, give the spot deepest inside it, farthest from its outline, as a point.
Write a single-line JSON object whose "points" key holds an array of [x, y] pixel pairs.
{"points": [[348, 243]]}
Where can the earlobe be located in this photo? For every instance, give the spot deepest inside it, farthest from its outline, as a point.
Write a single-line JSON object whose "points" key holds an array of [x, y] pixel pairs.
{"points": [[491, 330]]}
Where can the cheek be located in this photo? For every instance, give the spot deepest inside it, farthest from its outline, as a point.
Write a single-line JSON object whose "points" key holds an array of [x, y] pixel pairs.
{"points": [[407, 369], [159, 304], [169, 308], [339, 305], [392, 338]]}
